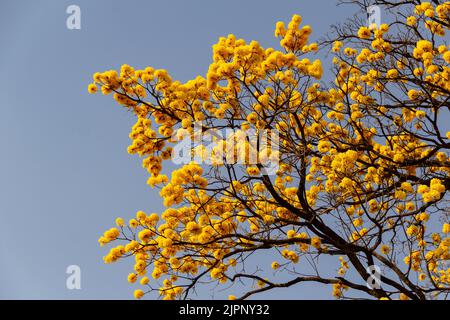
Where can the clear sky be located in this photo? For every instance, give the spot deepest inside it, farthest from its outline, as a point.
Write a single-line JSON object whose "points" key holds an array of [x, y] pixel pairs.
{"points": [[65, 174]]}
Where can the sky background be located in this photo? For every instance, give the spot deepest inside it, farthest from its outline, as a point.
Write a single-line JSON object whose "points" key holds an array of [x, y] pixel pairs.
{"points": [[65, 174]]}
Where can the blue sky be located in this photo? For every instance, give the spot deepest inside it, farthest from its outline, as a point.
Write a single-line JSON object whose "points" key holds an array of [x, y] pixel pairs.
{"points": [[65, 174]]}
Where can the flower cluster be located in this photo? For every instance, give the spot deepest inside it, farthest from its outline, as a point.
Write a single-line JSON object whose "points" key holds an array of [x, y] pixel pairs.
{"points": [[365, 154]]}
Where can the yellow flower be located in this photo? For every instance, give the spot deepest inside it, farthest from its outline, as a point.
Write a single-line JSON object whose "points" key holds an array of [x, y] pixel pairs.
{"points": [[420, 114], [392, 74], [358, 222], [92, 88], [403, 296], [385, 249], [446, 56], [316, 242], [418, 72], [120, 222], [422, 189], [145, 235], [252, 117], [313, 47], [253, 171], [245, 126], [264, 100], [275, 265], [406, 186], [350, 52], [144, 281], [411, 230], [429, 13], [133, 223], [413, 94], [193, 228], [280, 29], [140, 215], [112, 234], [441, 156], [384, 27], [138, 294], [410, 206], [424, 45], [132, 277], [324, 146], [411, 21], [364, 33], [291, 234], [446, 228], [423, 216], [293, 256], [337, 45]]}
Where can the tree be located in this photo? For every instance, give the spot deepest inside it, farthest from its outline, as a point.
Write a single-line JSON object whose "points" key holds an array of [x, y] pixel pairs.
{"points": [[363, 164]]}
